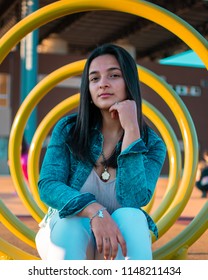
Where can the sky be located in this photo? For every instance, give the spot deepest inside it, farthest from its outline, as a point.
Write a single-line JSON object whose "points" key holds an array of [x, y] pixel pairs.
{"points": [[188, 58]]}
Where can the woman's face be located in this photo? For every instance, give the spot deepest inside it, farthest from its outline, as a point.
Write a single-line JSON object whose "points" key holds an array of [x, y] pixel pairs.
{"points": [[106, 83]]}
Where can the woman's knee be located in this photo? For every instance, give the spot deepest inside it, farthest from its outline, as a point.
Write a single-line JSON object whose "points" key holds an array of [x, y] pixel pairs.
{"points": [[129, 214], [131, 218]]}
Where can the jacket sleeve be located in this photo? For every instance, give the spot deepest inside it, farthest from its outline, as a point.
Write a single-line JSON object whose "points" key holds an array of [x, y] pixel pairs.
{"points": [[139, 167], [54, 176]]}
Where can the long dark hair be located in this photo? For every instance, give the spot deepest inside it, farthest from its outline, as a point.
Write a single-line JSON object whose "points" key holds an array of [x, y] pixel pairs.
{"points": [[88, 114]]}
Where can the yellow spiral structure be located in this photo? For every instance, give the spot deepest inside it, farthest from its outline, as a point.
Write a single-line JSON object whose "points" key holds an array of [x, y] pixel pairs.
{"points": [[180, 184]]}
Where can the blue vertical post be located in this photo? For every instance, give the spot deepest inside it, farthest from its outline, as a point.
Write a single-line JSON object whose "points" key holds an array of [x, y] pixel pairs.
{"points": [[29, 66]]}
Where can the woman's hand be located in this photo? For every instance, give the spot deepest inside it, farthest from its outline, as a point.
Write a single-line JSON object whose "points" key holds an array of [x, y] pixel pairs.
{"points": [[126, 111], [106, 232], [108, 236]]}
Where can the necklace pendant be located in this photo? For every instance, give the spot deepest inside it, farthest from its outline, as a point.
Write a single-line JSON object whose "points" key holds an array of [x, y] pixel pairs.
{"points": [[105, 176]]}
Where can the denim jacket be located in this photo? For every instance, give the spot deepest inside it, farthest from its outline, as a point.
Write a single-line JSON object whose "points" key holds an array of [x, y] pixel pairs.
{"points": [[62, 176]]}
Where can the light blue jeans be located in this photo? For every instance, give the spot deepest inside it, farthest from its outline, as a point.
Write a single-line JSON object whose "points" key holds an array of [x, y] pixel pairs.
{"points": [[72, 238]]}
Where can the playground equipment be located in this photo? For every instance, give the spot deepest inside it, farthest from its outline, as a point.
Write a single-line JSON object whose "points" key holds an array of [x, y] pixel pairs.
{"points": [[180, 183]]}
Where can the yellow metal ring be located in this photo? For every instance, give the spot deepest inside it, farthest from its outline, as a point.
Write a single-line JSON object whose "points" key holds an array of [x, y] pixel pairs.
{"points": [[141, 8]]}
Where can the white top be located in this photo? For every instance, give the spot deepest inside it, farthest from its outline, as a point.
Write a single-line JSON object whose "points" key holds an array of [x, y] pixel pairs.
{"points": [[104, 192]]}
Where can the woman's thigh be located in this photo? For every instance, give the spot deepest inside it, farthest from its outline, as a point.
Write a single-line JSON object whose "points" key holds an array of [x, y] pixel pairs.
{"points": [[66, 239], [133, 225]]}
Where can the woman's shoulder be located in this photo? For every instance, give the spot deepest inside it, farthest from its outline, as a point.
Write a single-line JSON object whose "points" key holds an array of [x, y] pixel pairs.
{"points": [[66, 122]]}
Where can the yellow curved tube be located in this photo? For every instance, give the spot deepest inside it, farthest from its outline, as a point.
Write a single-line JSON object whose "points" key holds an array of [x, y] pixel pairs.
{"points": [[17, 131], [174, 153], [41, 132], [190, 146], [19, 229], [178, 246], [143, 9], [13, 253]]}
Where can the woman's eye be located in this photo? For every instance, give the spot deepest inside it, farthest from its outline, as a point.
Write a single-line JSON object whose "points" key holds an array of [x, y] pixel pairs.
{"points": [[93, 79], [115, 75]]}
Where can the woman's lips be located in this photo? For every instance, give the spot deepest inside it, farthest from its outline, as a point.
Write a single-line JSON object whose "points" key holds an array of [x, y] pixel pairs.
{"points": [[103, 95]]}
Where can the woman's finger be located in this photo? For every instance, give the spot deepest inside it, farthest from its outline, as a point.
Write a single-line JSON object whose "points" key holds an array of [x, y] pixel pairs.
{"points": [[114, 248], [99, 244], [106, 247], [122, 243]]}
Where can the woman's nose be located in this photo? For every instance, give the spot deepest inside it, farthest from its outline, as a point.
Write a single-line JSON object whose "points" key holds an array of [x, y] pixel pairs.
{"points": [[104, 86], [104, 83]]}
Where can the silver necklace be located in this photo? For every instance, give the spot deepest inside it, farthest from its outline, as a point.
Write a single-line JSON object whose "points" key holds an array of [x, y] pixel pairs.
{"points": [[105, 175]]}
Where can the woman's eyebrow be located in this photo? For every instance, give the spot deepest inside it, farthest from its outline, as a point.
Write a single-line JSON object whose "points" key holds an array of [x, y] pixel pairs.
{"points": [[93, 72], [108, 70]]}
